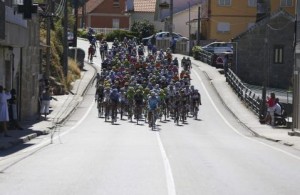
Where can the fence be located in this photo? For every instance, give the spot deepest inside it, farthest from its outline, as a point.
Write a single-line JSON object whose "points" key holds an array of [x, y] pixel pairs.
{"points": [[252, 101], [106, 30], [182, 47], [206, 57]]}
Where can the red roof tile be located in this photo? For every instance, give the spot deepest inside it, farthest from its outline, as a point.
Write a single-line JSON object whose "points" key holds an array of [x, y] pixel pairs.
{"points": [[144, 5]]}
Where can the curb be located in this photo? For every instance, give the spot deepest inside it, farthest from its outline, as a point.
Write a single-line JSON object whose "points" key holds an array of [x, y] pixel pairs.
{"points": [[62, 120], [235, 116]]}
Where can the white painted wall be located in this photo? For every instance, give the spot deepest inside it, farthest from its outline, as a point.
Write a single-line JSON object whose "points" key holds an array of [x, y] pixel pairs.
{"points": [[180, 21]]}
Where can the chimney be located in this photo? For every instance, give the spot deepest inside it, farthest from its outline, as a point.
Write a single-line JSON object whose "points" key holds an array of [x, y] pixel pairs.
{"points": [[263, 9]]}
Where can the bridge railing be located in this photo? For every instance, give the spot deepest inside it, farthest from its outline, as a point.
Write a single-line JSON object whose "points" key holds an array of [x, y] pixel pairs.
{"points": [[252, 101], [206, 57]]}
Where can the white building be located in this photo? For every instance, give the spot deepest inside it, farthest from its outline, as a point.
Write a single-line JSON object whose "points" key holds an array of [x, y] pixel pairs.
{"points": [[20, 57]]}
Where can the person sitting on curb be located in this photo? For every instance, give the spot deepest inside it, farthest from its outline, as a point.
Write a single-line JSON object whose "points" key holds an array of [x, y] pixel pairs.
{"points": [[271, 103]]}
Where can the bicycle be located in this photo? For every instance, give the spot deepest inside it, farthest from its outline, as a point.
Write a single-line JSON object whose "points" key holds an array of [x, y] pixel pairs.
{"points": [[114, 112], [130, 110], [100, 107], [196, 109], [107, 110], [138, 113], [152, 118]]}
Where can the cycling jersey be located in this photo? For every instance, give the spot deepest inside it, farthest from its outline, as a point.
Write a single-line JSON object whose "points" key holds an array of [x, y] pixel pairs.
{"points": [[152, 103], [138, 99]]}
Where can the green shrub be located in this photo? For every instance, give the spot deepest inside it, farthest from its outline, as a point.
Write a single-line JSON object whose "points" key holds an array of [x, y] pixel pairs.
{"points": [[119, 34], [196, 50], [143, 28], [100, 36], [82, 33]]}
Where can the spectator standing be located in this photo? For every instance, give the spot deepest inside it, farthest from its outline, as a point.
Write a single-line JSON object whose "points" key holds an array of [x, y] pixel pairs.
{"points": [[4, 115], [12, 108], [45, 102]]}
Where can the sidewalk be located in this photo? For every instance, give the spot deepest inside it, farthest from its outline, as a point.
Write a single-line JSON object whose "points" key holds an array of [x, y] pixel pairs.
{"points": [[59, 111], [246, 116]]}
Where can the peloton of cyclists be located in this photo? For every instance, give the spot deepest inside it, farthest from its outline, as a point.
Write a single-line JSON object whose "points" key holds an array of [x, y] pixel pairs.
{"points": [[150, 85]]}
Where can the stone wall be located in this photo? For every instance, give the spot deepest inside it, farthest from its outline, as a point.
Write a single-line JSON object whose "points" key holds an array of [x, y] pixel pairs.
{"points": [[255, 49]]}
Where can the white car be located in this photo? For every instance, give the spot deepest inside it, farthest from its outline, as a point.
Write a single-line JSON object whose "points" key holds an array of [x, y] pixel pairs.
{"points": [[219, 47], [164, 35]]}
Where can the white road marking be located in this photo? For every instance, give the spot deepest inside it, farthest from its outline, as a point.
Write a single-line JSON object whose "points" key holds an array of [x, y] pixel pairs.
{"points": [[168, 170], [234, 129]]}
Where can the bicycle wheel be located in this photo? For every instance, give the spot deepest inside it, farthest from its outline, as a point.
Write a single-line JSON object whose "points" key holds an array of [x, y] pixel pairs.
{"points": [[121, 112], [137, 115], [153, 121], [196, 113]]}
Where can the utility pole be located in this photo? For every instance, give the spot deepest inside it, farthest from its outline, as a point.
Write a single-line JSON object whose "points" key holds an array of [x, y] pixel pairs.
{"points": [[76, 23], [65, 40], [48, 37], [198, 27], [296, 80], [171, 19], [83, 14], [263, 10]]}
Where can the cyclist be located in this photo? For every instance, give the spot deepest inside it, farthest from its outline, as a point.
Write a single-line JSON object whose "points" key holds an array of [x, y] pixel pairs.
{"points": [[91, 53], [138, 99], [102, 50], [152, 106], [114, 97], [196, 101], [99, 93], [94, 43]]}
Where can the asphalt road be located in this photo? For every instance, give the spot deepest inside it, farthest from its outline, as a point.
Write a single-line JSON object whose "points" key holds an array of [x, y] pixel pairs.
{"points": [[212, 155]]}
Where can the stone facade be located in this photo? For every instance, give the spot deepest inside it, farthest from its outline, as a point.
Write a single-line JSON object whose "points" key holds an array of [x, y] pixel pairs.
{"points": [[257, 50]]}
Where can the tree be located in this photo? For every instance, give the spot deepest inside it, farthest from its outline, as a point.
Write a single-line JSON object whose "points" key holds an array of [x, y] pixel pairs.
{"points": [[143, 28]]}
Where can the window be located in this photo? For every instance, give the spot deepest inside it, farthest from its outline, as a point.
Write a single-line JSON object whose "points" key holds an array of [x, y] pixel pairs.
{"points": [[252, 3], [116, 23], [223, 27], [116, 3], [17, 2], [224, 2], [278, 54], [286, 3]]}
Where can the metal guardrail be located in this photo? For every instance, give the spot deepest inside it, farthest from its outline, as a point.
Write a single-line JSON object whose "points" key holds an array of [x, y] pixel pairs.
{"points": [[206, 57], [250, 98]]}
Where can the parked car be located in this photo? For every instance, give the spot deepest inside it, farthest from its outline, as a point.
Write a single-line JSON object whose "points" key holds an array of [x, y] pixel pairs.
{"points": [[219, 47], [70, 39], [164, 35]]}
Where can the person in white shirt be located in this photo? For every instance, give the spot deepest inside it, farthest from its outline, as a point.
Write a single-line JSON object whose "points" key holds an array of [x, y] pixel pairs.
{"points": [[4, 116], [278, 108]]}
